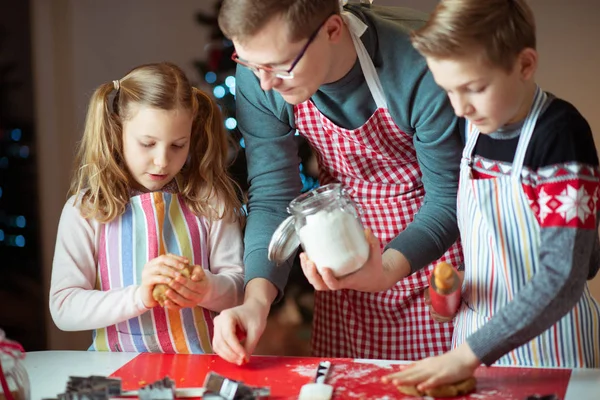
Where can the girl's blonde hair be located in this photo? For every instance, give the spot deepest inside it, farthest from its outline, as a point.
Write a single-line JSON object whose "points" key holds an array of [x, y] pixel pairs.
{"points": [[101, 181], [501, 28]]}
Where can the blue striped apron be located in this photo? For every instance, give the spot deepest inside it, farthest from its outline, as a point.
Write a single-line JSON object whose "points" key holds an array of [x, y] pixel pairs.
{"points": [[501, 241], [153, 224]]}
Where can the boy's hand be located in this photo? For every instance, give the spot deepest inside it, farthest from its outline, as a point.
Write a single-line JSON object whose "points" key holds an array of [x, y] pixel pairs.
{"points": [[434, 315], [453, 366], [437, 317], [162, 269]]}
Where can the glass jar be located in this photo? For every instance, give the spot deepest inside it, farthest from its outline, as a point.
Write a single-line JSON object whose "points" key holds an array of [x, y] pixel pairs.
{"points": [[326, 222], [14, 381]]}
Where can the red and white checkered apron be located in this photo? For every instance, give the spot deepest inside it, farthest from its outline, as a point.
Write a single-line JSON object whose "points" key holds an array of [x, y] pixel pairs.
{"points": [[377, 164]]}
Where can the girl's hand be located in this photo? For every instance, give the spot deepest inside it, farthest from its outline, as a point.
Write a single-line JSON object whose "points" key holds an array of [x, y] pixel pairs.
{"points": [[162, 269], [453, 366], [186, 292]]}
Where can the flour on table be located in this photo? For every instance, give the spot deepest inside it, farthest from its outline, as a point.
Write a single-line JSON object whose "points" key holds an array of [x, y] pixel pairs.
{"points": [[308, 371]]}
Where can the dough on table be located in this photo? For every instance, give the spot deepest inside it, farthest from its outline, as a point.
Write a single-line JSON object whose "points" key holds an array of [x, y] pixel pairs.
{"points": [[447, 390], [160, 290]]}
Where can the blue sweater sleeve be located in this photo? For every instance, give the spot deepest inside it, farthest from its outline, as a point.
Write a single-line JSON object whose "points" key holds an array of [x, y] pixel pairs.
{"points": [[273, 175]]}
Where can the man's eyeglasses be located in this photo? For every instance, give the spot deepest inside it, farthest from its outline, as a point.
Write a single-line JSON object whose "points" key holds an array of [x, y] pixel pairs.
{"points": [[280, 72]]}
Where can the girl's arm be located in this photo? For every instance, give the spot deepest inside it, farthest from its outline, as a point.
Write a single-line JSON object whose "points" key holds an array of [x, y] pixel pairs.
{"points": [[226, 272], [75, 301]]}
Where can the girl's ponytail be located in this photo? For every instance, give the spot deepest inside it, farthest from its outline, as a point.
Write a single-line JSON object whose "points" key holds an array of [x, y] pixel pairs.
{"points": [[99, 180]]}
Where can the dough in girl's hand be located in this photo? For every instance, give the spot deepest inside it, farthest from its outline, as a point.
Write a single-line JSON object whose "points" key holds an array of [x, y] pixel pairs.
{"points": [[448, 390], [160, 290]]}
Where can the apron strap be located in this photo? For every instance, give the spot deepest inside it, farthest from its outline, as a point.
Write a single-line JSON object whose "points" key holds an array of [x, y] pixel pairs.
{"points": [[472, 133], [527, 131], [357, 28]]}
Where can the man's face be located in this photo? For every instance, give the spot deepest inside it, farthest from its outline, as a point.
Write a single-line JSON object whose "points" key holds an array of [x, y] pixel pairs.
{"points": [[271, 47]]}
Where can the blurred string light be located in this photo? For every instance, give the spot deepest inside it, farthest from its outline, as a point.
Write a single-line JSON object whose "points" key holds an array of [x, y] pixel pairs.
{"points": [[242, 143], [230, 82], [20, 241], [230, 123], [16, 134], [308, 182], [210, 77], [0, 192], [219, 91], [20, 221], [24, 151]]}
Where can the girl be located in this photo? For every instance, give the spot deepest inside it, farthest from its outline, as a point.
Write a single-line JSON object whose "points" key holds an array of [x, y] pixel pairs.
{"points": [[150, 196], [527, 202]]}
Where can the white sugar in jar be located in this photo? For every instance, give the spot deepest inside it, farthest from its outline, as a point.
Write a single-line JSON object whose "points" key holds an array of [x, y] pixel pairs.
{"points": [[334, 239], [325, 221]]}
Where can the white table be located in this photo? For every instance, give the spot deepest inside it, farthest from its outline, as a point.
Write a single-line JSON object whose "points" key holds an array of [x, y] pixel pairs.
{"points": [[49, 372]]}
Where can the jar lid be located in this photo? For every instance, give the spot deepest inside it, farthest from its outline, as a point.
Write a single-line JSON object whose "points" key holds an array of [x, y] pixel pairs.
{"points": [[284, 241]]}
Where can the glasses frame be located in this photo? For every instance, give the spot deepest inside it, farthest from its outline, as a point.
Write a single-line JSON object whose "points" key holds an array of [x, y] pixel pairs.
{"points": [[281, 73]]}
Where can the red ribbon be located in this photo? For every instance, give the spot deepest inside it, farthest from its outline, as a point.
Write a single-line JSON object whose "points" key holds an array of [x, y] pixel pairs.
{"points": [[14, 350]]}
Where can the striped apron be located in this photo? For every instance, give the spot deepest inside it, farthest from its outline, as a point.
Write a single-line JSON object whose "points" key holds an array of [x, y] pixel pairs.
{"points": [[501, 239], [377, 165], [153, 224]]}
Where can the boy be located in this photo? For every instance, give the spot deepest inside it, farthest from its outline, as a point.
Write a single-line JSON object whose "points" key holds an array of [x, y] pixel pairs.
{"points": [[527, 202]]}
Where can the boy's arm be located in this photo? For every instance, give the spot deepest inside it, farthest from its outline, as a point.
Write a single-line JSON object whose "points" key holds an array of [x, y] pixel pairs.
{"points": [[552, 292], [568, 242], [75, 303]]}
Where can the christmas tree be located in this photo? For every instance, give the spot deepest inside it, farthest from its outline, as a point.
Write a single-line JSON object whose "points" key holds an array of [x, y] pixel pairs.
{"points": [[218, 71]]}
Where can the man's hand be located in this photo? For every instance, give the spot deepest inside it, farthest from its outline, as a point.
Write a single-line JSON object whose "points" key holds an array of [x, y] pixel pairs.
{"points": [[238, 329], [379, 273]]}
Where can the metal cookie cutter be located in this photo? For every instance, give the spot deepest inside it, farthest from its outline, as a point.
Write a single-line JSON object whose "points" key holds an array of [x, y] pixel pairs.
{"points": [[218, 387]]}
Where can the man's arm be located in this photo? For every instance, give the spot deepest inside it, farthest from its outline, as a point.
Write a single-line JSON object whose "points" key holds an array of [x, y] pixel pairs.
{"points": [[438, 146], [273, 162]]}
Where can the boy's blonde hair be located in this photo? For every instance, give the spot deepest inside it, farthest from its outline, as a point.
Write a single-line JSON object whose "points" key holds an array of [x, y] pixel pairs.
{"points": [[101, 181], [241, 19], [501, 28]]}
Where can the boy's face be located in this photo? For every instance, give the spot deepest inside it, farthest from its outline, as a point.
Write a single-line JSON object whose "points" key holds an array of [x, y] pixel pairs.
{"points": [[271, 47], [156, 144], [490, 97]]}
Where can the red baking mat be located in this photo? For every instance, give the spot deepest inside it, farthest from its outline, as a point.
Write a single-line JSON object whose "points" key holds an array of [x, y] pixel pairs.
{"points": [[351, 380]]}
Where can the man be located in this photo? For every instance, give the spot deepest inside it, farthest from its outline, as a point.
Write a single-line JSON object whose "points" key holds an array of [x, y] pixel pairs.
{"points": [[354, 87]]}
